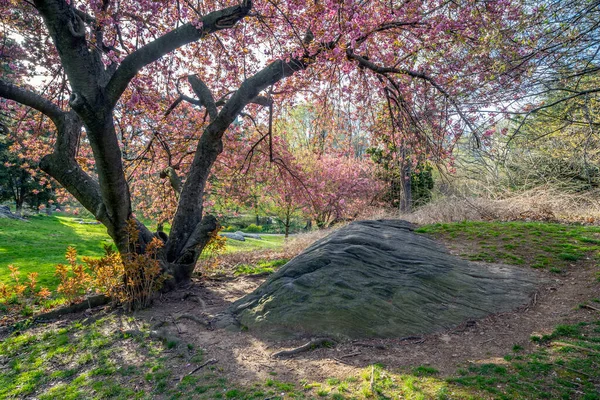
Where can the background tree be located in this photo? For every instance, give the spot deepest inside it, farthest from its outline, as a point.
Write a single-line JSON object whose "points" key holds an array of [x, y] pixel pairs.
{"points": [[19, 184], [111, 69]]}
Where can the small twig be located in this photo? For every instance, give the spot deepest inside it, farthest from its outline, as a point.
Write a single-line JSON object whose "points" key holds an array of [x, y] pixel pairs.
{"points": [[341, 361], [574, 371], [351, 355], [305, 347], [198, 368], [372, 376], [590, 307], [410, 338], [377, 346], [176, 326]]}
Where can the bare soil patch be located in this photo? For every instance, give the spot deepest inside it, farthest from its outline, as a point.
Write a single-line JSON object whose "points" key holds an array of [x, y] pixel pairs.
{"points": [[246, 359]]}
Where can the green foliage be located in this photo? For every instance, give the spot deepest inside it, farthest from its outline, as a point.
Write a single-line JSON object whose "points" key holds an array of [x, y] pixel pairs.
{"points": [[421, 181], [253, 228], [17, 184], [421, 178]]}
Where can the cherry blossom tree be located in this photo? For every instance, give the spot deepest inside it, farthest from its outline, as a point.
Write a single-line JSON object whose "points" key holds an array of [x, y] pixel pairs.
{"points": [[135, 90]]}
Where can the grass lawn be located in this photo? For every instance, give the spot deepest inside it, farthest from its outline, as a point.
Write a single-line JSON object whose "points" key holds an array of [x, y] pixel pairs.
{"points": [[268, 242], [99, 358], [40, 244], [537, 244]]}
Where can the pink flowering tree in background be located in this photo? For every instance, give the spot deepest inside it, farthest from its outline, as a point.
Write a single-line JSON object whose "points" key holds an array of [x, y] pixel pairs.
{"points": [[339, 188], [134, 90]]}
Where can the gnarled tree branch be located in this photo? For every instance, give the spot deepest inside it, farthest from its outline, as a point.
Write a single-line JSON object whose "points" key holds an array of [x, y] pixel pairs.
{"points": [[31, 99], [204, 95], [170, 41]]}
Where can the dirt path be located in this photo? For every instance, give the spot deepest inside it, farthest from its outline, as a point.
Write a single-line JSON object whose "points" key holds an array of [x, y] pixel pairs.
{"points": [[247, 359]]}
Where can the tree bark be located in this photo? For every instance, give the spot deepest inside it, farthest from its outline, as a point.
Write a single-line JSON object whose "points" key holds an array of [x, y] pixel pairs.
{"points": [[406, 199]]}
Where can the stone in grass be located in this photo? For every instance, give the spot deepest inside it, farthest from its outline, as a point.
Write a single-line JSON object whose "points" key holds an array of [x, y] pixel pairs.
{"points": [[249, 235], [6, 213], [377, 279], [234, 236]]}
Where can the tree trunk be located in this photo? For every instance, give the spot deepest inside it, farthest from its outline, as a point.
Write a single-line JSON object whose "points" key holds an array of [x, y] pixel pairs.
{"points": [[406, 199], [19, 206], [287, 225]]}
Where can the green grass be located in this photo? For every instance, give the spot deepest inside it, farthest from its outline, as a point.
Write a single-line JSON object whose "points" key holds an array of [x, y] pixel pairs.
{"points": [[40, 244], [96, 359], [268, 242], [263, 267], [539, 245], [564, 366]]}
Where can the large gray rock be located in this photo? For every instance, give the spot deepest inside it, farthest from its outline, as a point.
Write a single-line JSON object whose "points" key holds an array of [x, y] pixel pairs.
{"points": [[249, 235], [6, 213], [233, 235], [377, 279]]}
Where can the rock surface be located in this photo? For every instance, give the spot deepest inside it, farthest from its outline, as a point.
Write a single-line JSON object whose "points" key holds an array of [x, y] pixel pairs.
{"points": [[378, 279], [249, 235], [6, 213], [234, 236]]}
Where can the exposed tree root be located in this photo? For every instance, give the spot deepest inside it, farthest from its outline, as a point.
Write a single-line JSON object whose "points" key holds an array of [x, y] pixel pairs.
{"points": [[573, 346], [376, 346], [305, 347], [198, 320], [90, 302]]}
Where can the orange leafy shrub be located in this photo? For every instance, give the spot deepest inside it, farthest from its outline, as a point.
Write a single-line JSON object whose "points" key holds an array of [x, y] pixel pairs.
{"points": [[20, 290], [19, 297], [107, 273], [76, 284], [130, 279]]}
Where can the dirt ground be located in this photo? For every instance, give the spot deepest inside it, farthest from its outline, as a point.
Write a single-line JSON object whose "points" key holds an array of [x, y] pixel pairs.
{"points": [[247, 359]]}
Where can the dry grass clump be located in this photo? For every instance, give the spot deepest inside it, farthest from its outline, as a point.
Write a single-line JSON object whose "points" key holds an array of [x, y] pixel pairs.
{"points": [[300, 241], [538, 204]]}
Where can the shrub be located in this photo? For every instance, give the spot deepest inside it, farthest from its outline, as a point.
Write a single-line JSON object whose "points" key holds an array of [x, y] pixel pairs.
{"points": [[72, 285], [213, 249], [253, 228], [130, 279]]}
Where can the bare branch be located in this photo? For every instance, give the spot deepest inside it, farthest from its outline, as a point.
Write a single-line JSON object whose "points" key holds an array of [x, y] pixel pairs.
{"points": [[31, 99], [415, 74], [212, 22], [204, 95]]}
